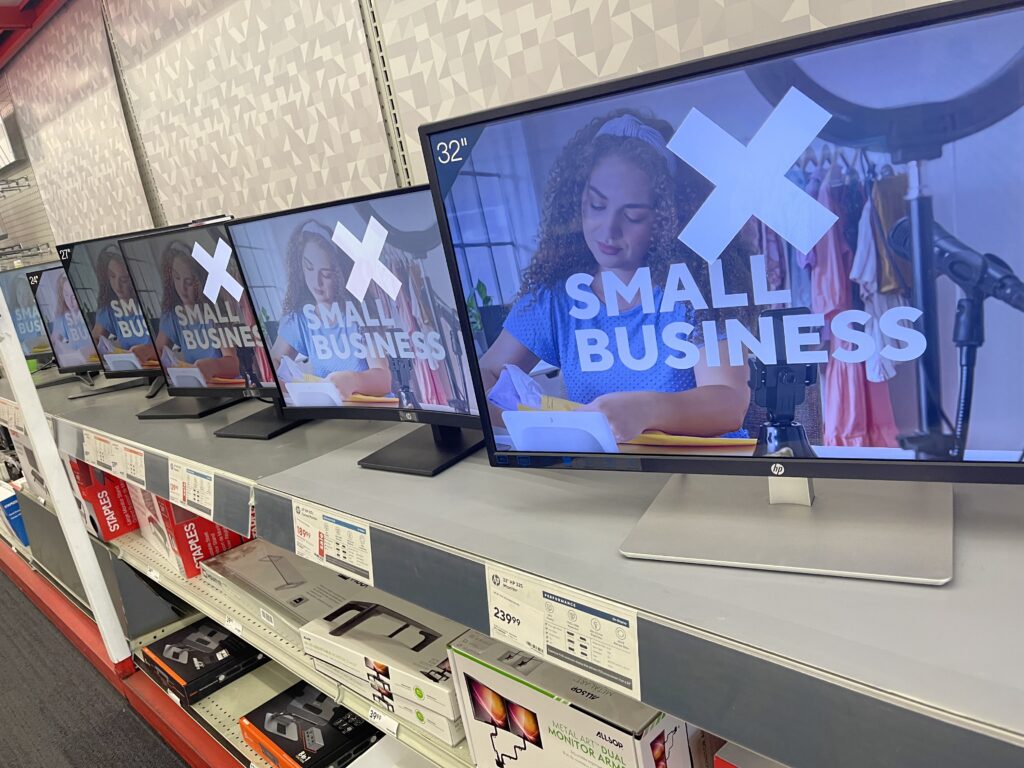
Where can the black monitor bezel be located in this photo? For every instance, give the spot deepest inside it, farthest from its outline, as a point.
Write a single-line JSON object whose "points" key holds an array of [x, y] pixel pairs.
{"points": [[205, 392], [877, 469], [147, 373], [45, 356], [63, 369], [382, 413]]}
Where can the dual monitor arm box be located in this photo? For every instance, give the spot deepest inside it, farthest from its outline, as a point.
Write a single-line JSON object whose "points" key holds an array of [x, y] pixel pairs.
{"points": [[195, 661], [304, 728], [277, 588], [104, 501], [525, 712], [396, 646]]}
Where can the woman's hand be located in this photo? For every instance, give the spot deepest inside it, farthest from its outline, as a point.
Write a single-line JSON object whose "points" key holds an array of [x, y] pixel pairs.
{"points": [[219, 367], [347, 383], [628, 413], [144, 352]]}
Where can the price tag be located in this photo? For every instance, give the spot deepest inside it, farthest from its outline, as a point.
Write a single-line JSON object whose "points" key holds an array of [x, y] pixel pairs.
{"points": [[108, 455], [154, 574], [386, 723], [89, 448], [333, 539], [233, 626], [199, 491], [176, 482], [583, 632], [133, 465]]}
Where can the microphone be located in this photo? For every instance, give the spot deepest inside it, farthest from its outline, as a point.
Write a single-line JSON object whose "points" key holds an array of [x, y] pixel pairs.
{"points": [[972, 271]]}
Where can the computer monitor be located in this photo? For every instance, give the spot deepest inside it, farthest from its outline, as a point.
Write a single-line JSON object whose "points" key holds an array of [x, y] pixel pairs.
{"points": [[63, 322], [737, 265], [27, 323], [356, 304], [203, 326], [97, 273]]}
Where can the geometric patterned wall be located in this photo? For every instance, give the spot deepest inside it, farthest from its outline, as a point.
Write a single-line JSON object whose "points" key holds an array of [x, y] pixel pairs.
{"points": [[248, 106], [67, 106], [451, 57]]}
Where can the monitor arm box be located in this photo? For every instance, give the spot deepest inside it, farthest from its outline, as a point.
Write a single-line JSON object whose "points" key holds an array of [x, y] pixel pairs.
{"points": [[520, 710], [277, 588], [104, 501], [184, 539], [396, 646], [451, 732]]}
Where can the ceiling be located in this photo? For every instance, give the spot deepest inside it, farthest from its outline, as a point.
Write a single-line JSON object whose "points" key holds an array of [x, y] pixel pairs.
{"points": [[19, 20]]}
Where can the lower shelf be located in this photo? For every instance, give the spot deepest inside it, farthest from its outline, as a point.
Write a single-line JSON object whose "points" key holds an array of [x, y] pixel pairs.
{"points": [[208, 600]]}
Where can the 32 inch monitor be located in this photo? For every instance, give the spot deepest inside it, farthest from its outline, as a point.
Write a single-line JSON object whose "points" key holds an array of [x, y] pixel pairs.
{"points": [[27, 323], [356, 303], [706, 269], [202, 324]]}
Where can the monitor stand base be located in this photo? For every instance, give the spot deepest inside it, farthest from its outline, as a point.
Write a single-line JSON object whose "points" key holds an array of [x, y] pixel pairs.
{"points": [[68, 378], [426, 451], [188, 407], [888, 531], [262, 425], [113, 387]]}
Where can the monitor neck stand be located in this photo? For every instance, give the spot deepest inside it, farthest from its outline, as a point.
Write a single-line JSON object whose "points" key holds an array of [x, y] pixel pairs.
{"points": [[104, 389], [889, 531], [426, 451], [155, 386]]}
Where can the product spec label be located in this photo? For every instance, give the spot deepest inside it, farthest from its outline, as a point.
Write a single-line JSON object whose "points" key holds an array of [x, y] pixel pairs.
{"points": [[333, 539], [134, 465], [108, 455], [572, 628], [191, 487]]}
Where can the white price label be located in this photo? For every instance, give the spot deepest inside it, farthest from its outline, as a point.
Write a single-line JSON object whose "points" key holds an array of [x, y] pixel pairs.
{"points": [[134, 465], [386, 723], [233, 626], [89, 448], [154, 574], [191, 487], [333, 539], [108, 454], [587, 634]]}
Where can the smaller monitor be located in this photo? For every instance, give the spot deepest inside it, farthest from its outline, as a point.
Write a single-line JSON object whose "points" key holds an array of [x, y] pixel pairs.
{"points": [[110, 306], [24, 313], [63, 322], [205, 335]]}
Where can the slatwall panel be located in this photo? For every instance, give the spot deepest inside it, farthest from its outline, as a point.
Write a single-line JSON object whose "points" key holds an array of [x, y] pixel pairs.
{"points": [[22, 214], [69, 111], [246, 106], [450, 57]]}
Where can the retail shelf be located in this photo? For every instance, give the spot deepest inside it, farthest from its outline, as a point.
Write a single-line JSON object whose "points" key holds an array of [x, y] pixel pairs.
{"points": [[207, 599], [718, 647]]}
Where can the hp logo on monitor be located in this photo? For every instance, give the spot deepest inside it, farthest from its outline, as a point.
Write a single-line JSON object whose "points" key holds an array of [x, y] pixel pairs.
{"points": [[778, 469]]}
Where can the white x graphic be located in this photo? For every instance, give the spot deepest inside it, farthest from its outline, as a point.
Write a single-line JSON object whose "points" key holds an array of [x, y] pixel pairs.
{"points": [[750, 180], [217, 275], [366, 263]]}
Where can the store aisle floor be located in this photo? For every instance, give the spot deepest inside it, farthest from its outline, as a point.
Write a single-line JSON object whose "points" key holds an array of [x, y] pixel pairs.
{"points": [[56, 710]]}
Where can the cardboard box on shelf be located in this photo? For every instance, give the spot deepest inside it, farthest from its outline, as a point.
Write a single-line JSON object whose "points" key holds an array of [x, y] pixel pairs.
{"points": [[103, 500], [185, 539], [396, 646], [11, 522], [519, 707], [734, 756], [30, 469], [202, 658], [440, 727], [304, 728], [277, 588]]}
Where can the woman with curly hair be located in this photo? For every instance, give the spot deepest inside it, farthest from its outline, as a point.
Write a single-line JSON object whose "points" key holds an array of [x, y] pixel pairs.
{"points": [[118, 318], [317, 274], [183, 281], [616, 201]]}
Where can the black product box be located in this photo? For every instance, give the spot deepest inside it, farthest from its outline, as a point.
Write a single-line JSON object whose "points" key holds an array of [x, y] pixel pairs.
{"points": [[304, 728], [202, 658]]}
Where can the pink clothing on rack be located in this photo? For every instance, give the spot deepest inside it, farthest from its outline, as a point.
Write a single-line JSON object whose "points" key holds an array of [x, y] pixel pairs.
{"points": [[856, 412]]}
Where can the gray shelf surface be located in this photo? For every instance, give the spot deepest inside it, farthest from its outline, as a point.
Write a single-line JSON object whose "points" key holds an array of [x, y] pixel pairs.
{"points": [[807, 670]]}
